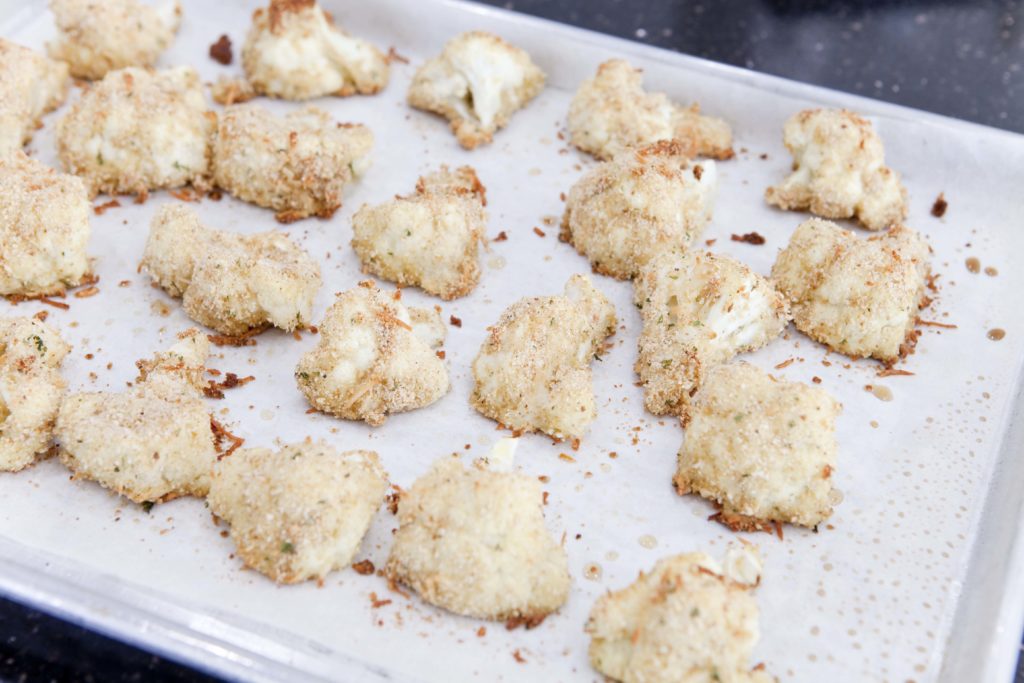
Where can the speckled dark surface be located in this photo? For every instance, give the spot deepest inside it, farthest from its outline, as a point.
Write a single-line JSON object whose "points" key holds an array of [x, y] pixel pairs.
{"points": [[962, 59]]}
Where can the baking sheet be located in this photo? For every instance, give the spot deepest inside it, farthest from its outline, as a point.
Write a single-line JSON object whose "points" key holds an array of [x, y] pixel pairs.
{"points": [[906, 586]]}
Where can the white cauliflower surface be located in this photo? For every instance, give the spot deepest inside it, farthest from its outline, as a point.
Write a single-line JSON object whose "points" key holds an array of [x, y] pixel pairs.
{"points": [[30, 86]]}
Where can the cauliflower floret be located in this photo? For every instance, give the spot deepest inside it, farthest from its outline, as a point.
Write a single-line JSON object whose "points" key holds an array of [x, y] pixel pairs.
{"points": [[533, 371], [625, 211], [294, 51], [154, 442], [611, 113], [429, 239], [857, 296], [95, 37], [699, 310], [300, 512], [44, 228], [839, 170], [690, 619], [139, 130], [296, 165], [374, 357], [761, 448], [230, 282], [473, 541], [477, 83], [30, 86], [31, 389]]}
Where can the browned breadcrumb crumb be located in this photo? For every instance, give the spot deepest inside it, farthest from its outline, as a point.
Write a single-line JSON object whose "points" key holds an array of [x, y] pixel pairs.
{"points": [[440, 353], [891, 372], [481, 632], [750, 238], [456, 322], [101, 209], [518, 657], [377, 603], [530, 621], [221, 50], [393, 56], [934, 323], [245, 339], [214, 389], [364, 567], [502, 236], [540, 233], [92, 290], [785, 364], [940, 206], [220, 435], [41, 316]]}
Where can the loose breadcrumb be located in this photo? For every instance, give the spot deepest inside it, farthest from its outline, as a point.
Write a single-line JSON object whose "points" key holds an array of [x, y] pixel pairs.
{"points": [[30, 86], [612, 113], [625, 211], [857, 296], [232, 91], [295, 52], [477, 83], [473, 541], [762, 448], [232, 283], [95, 37], [699, 310], [533, 371], [374, 357], [839, 170], [31, 389], [429, 239], [689, 619], [152, 443], [296, 165], [44, 228], [300, 512], [139, 130]]}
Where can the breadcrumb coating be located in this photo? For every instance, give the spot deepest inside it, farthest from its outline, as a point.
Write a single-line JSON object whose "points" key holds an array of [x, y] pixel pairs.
{"points": [[477, 83], [96, 37], [612, 113], [296, 165], [857, 296], [31, 389], [473, 541], [625, 211], [699, 310], [139, 130], [153, 442], [300, 512], [232, 91], [374, 357], [44, 228], [690, 619], [30, 86], [232, 283], [533, 371], [762, 448], [429, 239], [295, 52], [839, 170]]}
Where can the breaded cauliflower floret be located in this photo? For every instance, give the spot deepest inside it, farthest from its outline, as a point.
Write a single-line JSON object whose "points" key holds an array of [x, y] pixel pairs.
{"points": [[625, 211], [857, 296], [690, 619], [473, 541], [95, 37], [139, 130], [30, 86], [429, 239], [300, 512], [230, 282], [699, 310], [296, 165], [152, 443], [612, 113], [533, 371], [31, 389], [44, 228], [839, 170], [294, 51], [374, 357], [761, 448], [477, 83]]}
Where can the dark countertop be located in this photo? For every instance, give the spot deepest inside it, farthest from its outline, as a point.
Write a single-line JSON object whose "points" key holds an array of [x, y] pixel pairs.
{"points": [[962, 59]]}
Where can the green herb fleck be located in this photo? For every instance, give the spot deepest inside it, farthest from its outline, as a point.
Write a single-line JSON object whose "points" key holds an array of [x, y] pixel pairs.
{"points": [[147, 505], [287, 548]]}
